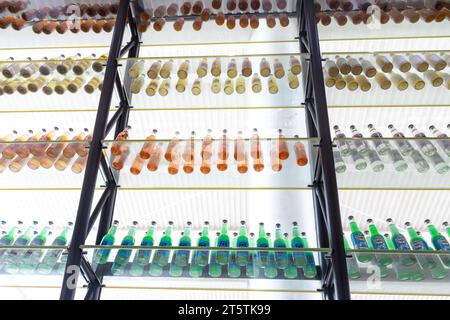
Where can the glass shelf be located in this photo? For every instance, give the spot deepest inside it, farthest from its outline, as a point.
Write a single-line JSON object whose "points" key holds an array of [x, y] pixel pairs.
{"points": [[389, 178], [284, 95], [427, 274], [198, 264], [290, 177]]}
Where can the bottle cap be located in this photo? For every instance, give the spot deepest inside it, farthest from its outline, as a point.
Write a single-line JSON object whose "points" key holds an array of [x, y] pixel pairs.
{"points": [[278, 225], [35, 222], [217, 233], [335, 127], [352, 127], [445, 223], [295, 223], [427, 221], [370, 126], [20, 222], [225, 221], [243, 222], [206, 223], [366, 232], [351, 218], [286, 234], [170, 223], [268, 234], [3, 222], [235, 234], [386, 235], [70, 223], [116, 222], [50, 223], [261, 223], [252, 234], [135, 223], [153, 223], [407, 224], [391, 126], [189, 223], [389, 220], [303, 234], [369, 220], [411, 126], [432, 127]]}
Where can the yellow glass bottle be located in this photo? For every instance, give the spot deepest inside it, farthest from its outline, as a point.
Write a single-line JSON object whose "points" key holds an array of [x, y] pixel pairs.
{"points": [[278, 69], [164, 87], [136, 69], [296, 67], [264, 68], [137, 84], [240, 84], [256, 83], [216, 86], [166, 69], [202, 69], [154, 70], [272, 84], [232, 69], [294, 83], [183, 69], [415, 81], [228, 86], [152, 87], [181, 85], [196, 87]]}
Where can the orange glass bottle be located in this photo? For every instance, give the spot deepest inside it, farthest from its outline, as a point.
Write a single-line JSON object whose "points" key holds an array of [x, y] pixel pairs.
{"points": [[56, 148], [300, 153], [155, 158], [39, 149], [282, 145], [136, 166], [239, 147], [79, 164], [205, 166], [23, 149], [207, 145], [119, 160], [11, 149], [117, 146], [147, 148], [172, 147], [275, 161], [242, 163], [188, 152], [223, 152], [255, 145], [71, 149]]}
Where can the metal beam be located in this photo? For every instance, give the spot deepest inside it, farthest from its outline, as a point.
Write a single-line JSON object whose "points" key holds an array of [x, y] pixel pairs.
{"points": [[315, 94], [95, 154]]}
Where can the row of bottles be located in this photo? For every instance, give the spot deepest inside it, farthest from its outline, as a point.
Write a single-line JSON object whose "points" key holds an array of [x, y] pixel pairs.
{"points": [[215, 263], [413, 267], [182, 153], [35, 10], [352, 73], [367, 17], [385, 5], [230, 21], [45, 149], [376, 151], [76, 64], [50, 85], [32, 260]]}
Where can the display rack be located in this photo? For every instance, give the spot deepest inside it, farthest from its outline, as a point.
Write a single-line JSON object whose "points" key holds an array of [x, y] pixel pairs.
{"points": [[215, 195]]}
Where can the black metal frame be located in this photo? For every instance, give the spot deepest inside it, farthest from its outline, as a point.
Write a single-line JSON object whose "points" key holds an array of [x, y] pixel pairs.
{"points": [[335, 284], [85, 220]]}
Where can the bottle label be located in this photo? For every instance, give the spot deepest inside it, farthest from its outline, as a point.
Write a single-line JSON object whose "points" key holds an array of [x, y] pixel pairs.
{"points": [[400, 243], [359, 241], [379, 243], [223, 243], [419, 245], [441, 244], [203, 243]]}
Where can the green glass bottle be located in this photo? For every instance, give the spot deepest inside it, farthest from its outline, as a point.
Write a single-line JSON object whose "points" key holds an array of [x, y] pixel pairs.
{"points": [[51, 257], [378, 243], [174, 269], [384, 271], [234, 270], [262, 242], [438, 272], [310, 270], [242, 242], [252, 268], [401, 271], [352, 263], [359, 241], [270, 270], [202, 256], [439, 242], [281, 257], [7, 240], [196, 270], [62, 263], [297, 242], [123, 255], [142, 257], [224, 242], [400, 243], [13, 257], [181, 257], [161, 256], [215, 269], [32, 257], [290, 272], [418, 243], [446, 225], [101, 255]]}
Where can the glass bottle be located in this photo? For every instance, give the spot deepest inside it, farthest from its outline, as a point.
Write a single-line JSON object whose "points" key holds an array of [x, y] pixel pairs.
{"points": [[142, 256], [381, 146], [202, 256], [272, 83], [361, 146], [252, 267], [270, 270], [240, 84], [136, 69], [173, 147], [183, 69], [202, 69], [344, 146], [196, 87], [424, 145], [181, 257], [222, 152], [246, 70], [404, 146], [352, 263], [222, 256], [155, 158], [228, 86], [147, 147], [402, 273], [101, 255], [293, 80], [415, 81], [343, 65], [123, 255], [242, 257], [281, 257], [83, 65], [263, 242], [295, 65], [359, 241], [216, 67], [234, 270], [379, 243], [256, 83], [310, 270], [439, 242], [439, 164], [214, 268], [51, 257], [443, 142], [154, 70], [418, 62], [161, 257], [401, 244]]}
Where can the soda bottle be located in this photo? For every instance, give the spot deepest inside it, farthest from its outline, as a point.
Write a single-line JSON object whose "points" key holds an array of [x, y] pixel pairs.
{"points": [[361, 146], [196, 270], [419, 162], [224, 241], [401, 272], [101, 255], [443, 142], [381, 146], [400, 243], [32, 257], [359, 162], [242, 242], [446, 225], [202, 256], [359, 241], [51, 257], [379, 243], [344, 146], [297, 242], [262, 242], [13, 256], [352, 263], [252, 268], [234, 270], [384, 271], [439, 164], [339, 162], [439, 272], [424, 145], [281, 257], [397, 160], [439, 242], [8, 239], [181, 257], [310, 270], [290, 272], [123, 255], [215, 269], [403, 145], [142, 256], [270, 270], [161, 257]]}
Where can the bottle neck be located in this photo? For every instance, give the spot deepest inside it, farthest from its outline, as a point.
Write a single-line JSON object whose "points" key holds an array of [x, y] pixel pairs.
{"points": [[168, 231], [28, 232], [412, 233], [65, 232], [373, 230], [12, 232], [187, 231], [224, 229], [150, 231], [305, 241], [262, 233], [44, 232], [112, 230], [252, 242], [131, 231], [346, 246], [354, 226], [433, 231], [389, 243], [278, 234], [243, 231], [394, 229], [205, 231]]}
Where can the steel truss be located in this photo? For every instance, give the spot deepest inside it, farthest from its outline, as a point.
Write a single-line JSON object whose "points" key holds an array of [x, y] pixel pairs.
{"points": [[335, 283]]}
